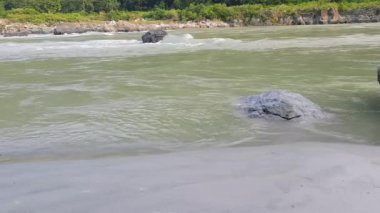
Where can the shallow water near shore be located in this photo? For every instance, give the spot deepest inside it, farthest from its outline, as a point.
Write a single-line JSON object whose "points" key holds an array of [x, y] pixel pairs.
{"points": [[79, 96]]}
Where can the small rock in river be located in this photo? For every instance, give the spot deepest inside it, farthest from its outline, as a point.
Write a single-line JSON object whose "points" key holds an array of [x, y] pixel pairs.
{"points": [[280, 104]]}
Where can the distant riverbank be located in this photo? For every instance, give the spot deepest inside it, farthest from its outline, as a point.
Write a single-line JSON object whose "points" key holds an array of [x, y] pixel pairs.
{"points": [[21, 22], [23, 29]]}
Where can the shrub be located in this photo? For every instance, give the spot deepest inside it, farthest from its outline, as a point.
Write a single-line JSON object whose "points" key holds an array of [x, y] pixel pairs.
{"points": [[116, 16], [161, 14], [223, 12], [24, 11]]}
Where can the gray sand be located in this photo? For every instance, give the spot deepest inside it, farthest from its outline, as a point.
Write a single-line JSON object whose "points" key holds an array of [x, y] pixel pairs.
{"points": [[299, 177]]}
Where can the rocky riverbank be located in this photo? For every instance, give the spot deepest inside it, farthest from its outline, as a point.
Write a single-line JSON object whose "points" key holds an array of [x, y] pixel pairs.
{"points": [[330, 16], [22, 29]]}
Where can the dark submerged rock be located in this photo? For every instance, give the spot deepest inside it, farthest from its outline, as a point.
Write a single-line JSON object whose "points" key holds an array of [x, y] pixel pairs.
{"points": [[68, 29], [154, 36], [282, 105], [378, 74], [11, 34]]}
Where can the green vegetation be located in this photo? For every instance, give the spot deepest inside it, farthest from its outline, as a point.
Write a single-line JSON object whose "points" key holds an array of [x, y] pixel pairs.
{"points": [[52, 11], [2, 9]]}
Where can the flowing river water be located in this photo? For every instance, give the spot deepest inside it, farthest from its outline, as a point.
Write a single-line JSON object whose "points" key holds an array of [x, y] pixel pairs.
{"points": [[91, 95]]}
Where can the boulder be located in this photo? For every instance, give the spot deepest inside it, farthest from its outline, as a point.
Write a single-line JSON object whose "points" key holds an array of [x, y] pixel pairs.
{"points": [[154, 36], [300, 21], [280, 105], [361, 15], [324, 19], [68, 29], [378, 74], [334, 16]]}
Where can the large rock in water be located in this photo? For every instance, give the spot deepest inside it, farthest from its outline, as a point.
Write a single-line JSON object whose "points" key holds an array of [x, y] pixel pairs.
{"points": [[154, 36], [280, 104]]}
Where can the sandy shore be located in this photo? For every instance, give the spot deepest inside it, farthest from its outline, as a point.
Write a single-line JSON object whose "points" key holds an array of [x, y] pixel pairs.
{"points": [[299, 177]]}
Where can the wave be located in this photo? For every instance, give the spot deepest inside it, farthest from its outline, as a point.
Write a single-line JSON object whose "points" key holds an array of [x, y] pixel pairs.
{"points": [[43, 49]]}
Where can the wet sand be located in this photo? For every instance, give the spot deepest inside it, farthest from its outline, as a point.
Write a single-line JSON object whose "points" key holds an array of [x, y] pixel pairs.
{"points": [[296, 177]]}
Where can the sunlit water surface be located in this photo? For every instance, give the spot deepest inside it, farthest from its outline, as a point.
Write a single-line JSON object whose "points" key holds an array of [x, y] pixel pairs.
{"points": [[108, 94]]}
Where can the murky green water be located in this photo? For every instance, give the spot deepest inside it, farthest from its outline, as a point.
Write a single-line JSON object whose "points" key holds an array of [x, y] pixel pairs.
{"points": [[105, 94]]}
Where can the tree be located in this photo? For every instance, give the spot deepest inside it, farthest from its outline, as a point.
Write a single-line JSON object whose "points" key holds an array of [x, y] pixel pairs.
{"points": [[2, 9], [177, 4], [87, 6], [105, 5], [69, 6], [47, 6], [12, 4]]}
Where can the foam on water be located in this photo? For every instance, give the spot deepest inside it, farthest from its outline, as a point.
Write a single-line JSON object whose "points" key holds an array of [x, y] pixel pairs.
{"points": [[12, 49]]}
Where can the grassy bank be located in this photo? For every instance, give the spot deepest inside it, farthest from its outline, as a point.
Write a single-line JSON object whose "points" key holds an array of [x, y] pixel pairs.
{"points": [[191, 13]]}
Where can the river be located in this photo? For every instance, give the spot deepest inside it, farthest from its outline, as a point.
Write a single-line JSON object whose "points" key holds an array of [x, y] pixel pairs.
{"points": [[105, 94]]}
